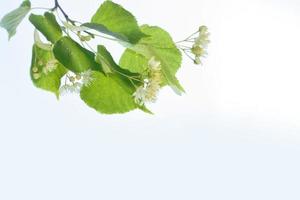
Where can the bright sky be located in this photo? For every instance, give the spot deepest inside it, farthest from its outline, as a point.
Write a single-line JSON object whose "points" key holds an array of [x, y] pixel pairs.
{"points": [[234, 134]]}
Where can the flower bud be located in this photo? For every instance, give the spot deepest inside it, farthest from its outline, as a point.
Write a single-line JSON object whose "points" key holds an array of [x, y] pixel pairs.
{"points": [[40, 63], [203, 29], [197, 50], [72, 79], [36, 76], [35, 69], [78, 76]]}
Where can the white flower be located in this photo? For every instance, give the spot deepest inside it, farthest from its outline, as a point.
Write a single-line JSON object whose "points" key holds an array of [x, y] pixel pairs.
{"points": [[197, 60], [74, 82], [199, 51], [154, 64], [51, 65], [147, 93], [152, 91], [77, 87], [86, 77], [140, 95], [199, 48], [70, 88], [203, 38]]}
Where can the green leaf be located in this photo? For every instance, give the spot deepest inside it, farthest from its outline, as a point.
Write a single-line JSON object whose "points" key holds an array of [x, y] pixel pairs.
{"points": [[109, 94], [102, 29], [42, 78], [11, 21], [133, 61], [108, 64], [47, 25], [118, 20], [73, 56], [104, 58], [159, 45]]}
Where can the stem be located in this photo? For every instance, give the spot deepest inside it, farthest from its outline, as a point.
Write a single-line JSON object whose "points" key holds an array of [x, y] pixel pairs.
{"points": [[66, 16], [188, 38], [57, 6], [184, 51]]}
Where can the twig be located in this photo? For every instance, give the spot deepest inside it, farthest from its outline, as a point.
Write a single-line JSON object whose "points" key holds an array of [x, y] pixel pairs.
{"points": [[57, 6]]}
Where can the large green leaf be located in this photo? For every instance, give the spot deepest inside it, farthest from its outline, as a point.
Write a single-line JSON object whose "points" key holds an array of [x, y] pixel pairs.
{"points": [[159, 45], [47, 25], [110, 66], [11, 21], [49, 81], [73, 56], [109, 94], [118, 20]]}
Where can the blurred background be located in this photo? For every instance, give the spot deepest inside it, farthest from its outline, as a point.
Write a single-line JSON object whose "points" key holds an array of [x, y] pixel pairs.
{"points": [[234, 135]]}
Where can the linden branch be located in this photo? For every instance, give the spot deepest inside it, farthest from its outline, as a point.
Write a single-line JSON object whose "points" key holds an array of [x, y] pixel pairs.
{"points": [[57, 6]]}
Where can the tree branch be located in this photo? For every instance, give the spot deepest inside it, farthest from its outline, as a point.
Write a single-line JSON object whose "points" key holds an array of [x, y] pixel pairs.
{"points": [[57, 6]]}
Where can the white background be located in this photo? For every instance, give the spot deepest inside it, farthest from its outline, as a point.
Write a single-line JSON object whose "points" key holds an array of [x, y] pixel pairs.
{"points": [[234, 135]]}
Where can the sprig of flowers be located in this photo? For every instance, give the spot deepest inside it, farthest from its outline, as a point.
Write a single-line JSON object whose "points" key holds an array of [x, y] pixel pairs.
{"points": [[147, 93], [46, 68], [198, 49], [74, 82]]}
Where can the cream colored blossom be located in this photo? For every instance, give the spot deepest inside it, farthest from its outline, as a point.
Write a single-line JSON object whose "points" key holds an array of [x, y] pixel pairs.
{"points": [[154, 64], [70, 88], [199, 48], [74, 82], [140, 95], [36, 76], [147, 93], [50, 66], [86, 77]]}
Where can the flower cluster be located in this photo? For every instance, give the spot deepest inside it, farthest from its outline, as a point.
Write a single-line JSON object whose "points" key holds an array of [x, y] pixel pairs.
{"points": [[199, 48], [75, 82], [50, 66], [199, 45], [46, 68], [147, 93]]}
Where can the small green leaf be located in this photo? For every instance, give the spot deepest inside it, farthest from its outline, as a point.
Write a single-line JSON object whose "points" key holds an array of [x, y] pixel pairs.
{"points": [[109, 94], [11, 21], [105, 60], [118, 20], [159, 45], [47, 25], [44, 76], [73, 56]]}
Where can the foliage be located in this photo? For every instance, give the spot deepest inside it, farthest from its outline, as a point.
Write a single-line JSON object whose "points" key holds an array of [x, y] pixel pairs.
{"points": [[67, 62]]}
